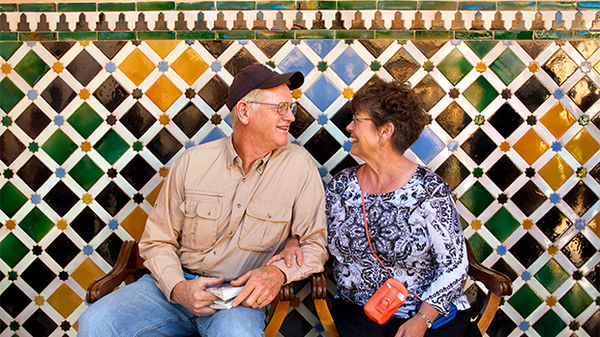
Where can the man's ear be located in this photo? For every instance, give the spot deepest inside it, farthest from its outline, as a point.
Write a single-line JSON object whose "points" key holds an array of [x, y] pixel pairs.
{"points": [[243, 112]]}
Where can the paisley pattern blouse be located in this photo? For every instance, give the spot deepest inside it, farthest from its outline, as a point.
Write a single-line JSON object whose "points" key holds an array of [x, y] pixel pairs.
{"points": [[414, 230]]}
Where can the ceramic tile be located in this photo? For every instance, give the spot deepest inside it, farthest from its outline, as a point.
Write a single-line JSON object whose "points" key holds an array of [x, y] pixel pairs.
{"points": [[476, 199], [452, 171], [531, 146], [502, 224], [163, 48], [86, 173], [87, 272], [137, 172], [576, 300], [37, 7], [64, 300], [528, 198], [525, 300], [111, 146], [549, 324], [137, 66], [504, 172], [8, 7], [38, 276], [163, 93], [558, 120], [189, 66], [164, 146], [454, 66], [155, 6], [31, 68], [580, 198], [579, 250], [10, 93], [85, 120], [402, 65], [480, 247], [507, 66], [84, 68], [33, 121], [427, 146], [116, 6], [586, 47], [61, 199], [134, 223], [163, 35], [556, 172], [13, 300], [582, 146], [552, 275], [111, 94], [429, 92], [62, 250], [480, 93], [87, 224], [59, 146], [109, 249], [58, 94], [214, 93], [585, 93], [12, 200], [349, 66], [34, 173], [112, 198]]}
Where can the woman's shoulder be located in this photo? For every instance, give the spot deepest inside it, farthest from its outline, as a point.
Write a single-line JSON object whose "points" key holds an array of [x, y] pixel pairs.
{"points": [[431, 181], [342, 178]]}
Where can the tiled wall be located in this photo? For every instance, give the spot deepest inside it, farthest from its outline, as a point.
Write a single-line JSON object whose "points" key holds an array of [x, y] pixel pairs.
{"points": [[91, 127]]}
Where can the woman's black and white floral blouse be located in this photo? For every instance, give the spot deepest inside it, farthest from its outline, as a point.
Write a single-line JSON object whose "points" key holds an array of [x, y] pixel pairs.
{"points": [[415, 231]]}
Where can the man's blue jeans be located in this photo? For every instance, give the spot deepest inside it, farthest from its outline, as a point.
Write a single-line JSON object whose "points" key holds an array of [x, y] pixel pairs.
{"points": [[141, 309]]}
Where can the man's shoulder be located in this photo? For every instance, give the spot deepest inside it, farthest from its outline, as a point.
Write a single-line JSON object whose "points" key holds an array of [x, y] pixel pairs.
{"points": [[214, 146], [292, 150]]}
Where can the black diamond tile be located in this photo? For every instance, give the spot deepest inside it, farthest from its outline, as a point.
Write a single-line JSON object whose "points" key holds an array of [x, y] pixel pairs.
{"points": [[596, 121], [110, 48], [112, 198], [348, 161], [476, 297], [478, 146], [137, 120], [295, 325], [579, 250], [376, 46], [137, 172], [303, 121], [532, 93], [322, 146], [592, 325], [506, 120], [13, 300], [240, 60], [402, 66], [554, 223], [528, 198], [341, 119], [10, 147], [527, 250], [190, 119], [585, 93], [534, 48], [61, 198], [62, 250], [39, 324], [453, 119], [111, 94], [505, 268], [594, 277], [429, 92], [429, 47], [503, 172], [270, 47], [216, 47], [33, 121], [2, 325], [34, 173], [501, 325], [58, 49], [38, 275], [84, 67], [164, 146], [58, 94], [580, 198], [452, 171], [214, 93], [87, 224], [595, 173], [109, 249]]}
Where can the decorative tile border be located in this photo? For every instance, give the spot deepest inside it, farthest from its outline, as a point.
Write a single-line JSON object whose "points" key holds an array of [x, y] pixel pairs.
{"points": [[291, 19]]}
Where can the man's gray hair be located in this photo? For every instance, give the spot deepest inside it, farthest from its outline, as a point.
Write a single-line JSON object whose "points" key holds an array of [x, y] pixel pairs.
{"points": [[254, 95]]}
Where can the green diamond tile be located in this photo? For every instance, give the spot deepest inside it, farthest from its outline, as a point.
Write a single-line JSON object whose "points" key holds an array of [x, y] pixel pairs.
{"points": [[481, 248], [525, 301], [11, 95], [502, 224], [31, 68], [477, 199], [85, 120], [7, 49], [507, 66], [111, 146], [59, 146], [480, 93], [481, 48], [552, 275], [455, 66], [549, 325], [12, 199], [576, 300], [36, 224], [86, 172], [12, 250]]}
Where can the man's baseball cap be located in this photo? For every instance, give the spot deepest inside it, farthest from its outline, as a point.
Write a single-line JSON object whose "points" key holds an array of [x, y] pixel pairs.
{"points": [[257, 76]]}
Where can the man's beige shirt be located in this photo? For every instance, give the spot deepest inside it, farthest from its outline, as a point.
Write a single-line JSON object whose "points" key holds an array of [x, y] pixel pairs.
{"points": [[215, 221]]}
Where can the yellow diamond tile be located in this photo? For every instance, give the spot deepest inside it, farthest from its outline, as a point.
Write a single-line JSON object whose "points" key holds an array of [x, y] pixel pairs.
{"points": [[595, 225], [189, 66], [163, 93], [135, 222], [87, 272], [151, 197], [558, 120], [583, 146], [531, 146], [64, 300], [556, 172], [163, 48], [137, 66]]}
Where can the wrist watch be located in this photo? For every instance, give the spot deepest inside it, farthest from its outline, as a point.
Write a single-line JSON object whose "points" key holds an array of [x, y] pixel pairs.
{"points": [[425, 318]]}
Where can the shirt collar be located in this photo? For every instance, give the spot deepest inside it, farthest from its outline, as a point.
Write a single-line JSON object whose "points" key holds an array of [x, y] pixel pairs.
{"points": [[234, 159]]}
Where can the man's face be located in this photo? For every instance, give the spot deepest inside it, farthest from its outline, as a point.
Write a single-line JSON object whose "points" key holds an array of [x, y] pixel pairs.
{"points": [[268, 127]]}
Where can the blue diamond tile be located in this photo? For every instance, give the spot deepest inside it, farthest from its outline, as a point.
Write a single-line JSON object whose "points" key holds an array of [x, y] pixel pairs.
{"points": [[322, 47], [215, 134], [427, 146], [322, 93], [349, 66], [296, 61]]}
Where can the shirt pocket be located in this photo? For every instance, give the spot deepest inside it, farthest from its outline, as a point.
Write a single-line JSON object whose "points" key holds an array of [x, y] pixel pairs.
{"points": [[200, 225], [265, 226]]}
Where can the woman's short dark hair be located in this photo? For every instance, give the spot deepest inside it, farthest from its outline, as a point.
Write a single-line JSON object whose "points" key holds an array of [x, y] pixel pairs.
{"points": [[396, 103]]}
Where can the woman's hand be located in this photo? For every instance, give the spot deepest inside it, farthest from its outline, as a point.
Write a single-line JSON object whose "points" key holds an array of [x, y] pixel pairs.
{"points": [[414, 327], [290, 251]]}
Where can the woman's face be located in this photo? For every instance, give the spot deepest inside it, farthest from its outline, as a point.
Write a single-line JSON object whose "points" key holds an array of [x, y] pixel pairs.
{"points": [[363, 134]]}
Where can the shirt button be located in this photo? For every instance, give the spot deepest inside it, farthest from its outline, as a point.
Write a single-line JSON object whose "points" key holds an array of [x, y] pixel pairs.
{"points": [[239, 205], [243, 180]]}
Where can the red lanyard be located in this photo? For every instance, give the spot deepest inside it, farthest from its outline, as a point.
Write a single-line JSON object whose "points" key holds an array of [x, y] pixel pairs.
{"points": [[362, 196]]}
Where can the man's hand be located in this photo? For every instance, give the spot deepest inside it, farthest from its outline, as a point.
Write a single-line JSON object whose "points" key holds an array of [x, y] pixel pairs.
{"points": [[192, 295], [414, 327], [261, 286]]}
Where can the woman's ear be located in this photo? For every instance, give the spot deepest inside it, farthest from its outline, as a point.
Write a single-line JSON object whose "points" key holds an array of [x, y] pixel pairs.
{"points": [[243, 112], [385, 132]]}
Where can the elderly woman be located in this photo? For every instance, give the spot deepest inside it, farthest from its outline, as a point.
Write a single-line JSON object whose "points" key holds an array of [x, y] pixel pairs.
{"points": [[392, 218]]}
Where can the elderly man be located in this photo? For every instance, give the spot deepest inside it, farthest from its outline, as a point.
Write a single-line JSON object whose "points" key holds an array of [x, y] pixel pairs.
{"points": [[226, 207]]}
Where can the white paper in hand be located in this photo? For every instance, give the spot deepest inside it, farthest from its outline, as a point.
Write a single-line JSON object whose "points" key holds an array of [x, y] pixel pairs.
{"points": [[226, 294]]}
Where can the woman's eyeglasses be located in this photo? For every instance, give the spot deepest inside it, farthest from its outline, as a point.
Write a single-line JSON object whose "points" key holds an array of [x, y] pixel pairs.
{"points": [[282, 107], [359, 119]]}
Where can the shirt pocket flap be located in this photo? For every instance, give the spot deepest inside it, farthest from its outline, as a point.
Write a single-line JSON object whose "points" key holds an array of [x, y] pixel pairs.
{"points": [[272, 213], [205, 210]]}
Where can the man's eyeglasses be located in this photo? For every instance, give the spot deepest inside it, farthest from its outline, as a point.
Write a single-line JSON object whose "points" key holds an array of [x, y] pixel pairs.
{"points": [[282, 107], [359, 119]]}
